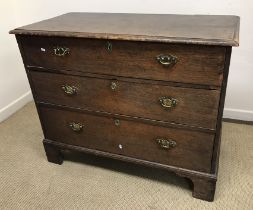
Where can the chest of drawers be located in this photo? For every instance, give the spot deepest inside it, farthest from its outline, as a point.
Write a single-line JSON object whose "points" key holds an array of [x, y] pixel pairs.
{"points": [[147, 89]]}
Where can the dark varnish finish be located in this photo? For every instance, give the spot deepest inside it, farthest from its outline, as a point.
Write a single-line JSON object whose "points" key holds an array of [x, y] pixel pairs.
{"points": [[195, 107], [196, 64], [125, 122], [103, 133]]}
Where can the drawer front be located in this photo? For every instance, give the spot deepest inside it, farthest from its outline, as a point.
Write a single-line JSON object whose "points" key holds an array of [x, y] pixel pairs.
{"points": [[177, 147], [195, 64], [195, 107]]}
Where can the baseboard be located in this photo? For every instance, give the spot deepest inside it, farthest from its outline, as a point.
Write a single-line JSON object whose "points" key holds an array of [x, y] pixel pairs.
{"points": [[238, 114], [237, 121], [14, 106]]}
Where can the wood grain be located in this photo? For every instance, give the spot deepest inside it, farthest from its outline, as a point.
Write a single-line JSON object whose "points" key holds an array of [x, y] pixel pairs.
{"points": [[196, 64], [202, 44], [193, 29], [196, 107], [101, 133]]}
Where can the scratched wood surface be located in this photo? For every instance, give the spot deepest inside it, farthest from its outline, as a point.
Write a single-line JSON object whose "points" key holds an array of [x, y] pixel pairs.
{"points": [[195, 29]]}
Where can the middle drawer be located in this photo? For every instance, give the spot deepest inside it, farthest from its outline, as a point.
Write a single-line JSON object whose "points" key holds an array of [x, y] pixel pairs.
{"points": [[194, 107]]}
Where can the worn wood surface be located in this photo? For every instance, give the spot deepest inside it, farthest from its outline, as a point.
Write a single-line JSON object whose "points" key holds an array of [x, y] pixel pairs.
{"points": [[216, 149], [196, 64], [203, 184], [198, 80], [203, 189], [53, 153], [129, 118], [101, 133], [195, 29], [132, 79], [195, 107]]}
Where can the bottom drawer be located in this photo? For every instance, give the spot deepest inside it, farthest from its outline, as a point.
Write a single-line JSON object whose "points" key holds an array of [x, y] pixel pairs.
{"points": [[171, 146]]}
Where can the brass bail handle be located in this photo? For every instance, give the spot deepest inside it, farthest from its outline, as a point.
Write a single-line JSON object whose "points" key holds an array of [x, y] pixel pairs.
{"points": [[61, 51], [69, 90], [166, 143], [77, 127], [167, 60], [168, 102]]}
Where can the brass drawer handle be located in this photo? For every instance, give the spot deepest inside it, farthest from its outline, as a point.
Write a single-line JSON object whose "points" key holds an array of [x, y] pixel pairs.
{"points": [[166, 144], [167, 60], [69, 90], [61, 51], [77, 127], [168, 102]]}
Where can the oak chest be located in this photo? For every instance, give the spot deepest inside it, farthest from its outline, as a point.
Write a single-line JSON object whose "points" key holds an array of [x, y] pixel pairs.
{"points": [[147, 89]]}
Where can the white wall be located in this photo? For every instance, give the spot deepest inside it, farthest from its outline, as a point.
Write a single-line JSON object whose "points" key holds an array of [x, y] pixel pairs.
{"points": [[14, 88]]}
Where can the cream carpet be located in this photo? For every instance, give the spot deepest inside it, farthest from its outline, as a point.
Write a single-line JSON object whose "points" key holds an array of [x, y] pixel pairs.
{"points": [[28, 181]]}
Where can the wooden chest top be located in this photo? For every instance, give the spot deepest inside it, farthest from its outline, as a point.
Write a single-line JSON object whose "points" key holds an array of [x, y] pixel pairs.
{"points": [[191, 29]]}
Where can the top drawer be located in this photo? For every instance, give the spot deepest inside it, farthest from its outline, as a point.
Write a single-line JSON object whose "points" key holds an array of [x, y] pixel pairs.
{"points": [[193, 64]]}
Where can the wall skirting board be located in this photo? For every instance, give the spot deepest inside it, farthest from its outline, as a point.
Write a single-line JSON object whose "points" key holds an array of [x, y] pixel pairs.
{"points": [[238, 114], [15, 105], [7, 111]]}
